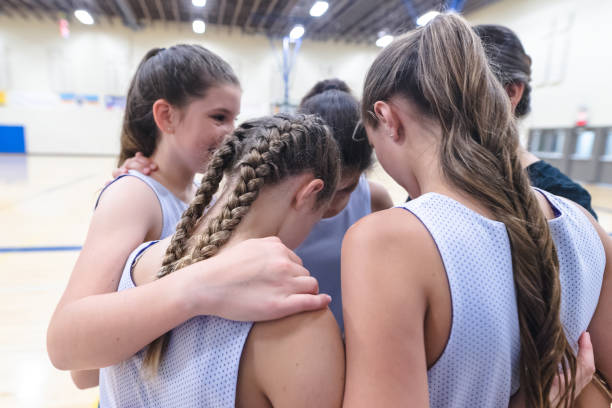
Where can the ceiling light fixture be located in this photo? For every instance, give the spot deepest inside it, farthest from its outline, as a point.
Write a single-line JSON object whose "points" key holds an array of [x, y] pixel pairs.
{"points": [[198, 3], [84, 17], [427, 17], [319, 8], [296, 32], [199, 27], [384, 40]]}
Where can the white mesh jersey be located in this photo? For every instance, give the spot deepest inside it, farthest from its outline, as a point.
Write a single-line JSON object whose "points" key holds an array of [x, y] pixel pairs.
{"points": [[480, 364], [171, 206], [199, 368]]}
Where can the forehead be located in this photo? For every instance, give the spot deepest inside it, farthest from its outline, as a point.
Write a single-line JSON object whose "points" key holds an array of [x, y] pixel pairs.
{"points": [[223, 97]]}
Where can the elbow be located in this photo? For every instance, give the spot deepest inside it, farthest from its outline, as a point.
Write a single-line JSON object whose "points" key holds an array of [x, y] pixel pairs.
{"points": [[58, 358], [85, 379]]}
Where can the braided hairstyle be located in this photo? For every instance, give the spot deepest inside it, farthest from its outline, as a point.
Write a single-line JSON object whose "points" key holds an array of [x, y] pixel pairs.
{"points": [[260, 152], [442, 69]]}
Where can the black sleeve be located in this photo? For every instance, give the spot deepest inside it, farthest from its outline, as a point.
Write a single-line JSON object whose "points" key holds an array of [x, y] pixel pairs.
{"points": [[550, 178]]}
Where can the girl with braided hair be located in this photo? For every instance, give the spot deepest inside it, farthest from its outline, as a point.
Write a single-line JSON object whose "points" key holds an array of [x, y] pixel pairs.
{"points": [[181, 103], [481, 285], [281, 174], [356, 197]]}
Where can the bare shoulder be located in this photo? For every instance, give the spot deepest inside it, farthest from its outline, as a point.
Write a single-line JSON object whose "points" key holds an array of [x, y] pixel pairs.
{"points": [[383, 254], [129, 201], [388, 231], [296, 361], [379, 197]]}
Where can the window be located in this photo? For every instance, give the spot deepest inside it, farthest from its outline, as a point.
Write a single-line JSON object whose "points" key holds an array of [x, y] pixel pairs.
{"points": [[607, 155], [547, 142], [584, 144]]}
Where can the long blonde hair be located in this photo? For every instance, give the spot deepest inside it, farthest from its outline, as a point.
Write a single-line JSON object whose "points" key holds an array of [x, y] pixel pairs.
{"points": [[443, 70], [260, 152]]}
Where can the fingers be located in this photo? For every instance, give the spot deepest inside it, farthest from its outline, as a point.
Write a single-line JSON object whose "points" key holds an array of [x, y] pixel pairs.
{"points": [[139, 163], [303, 303], [585, 359], [118, 172], [305, 284]]}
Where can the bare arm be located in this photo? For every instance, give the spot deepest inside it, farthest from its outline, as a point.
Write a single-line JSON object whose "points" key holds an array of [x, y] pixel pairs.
{"points": [[384, 304], [600, 327], [294, 362], [239, 284], [379, 197], [118, 225]]}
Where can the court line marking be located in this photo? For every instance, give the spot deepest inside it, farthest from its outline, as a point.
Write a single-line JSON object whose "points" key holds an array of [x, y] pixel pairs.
{"points": [[47, 190], [40, 249]]}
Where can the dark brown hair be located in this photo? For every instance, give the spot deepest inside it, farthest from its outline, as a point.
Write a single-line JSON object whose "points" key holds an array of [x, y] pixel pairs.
{"points": [[442, 69], [332, 100], [176, 74], [508, 60], [260, 152]]}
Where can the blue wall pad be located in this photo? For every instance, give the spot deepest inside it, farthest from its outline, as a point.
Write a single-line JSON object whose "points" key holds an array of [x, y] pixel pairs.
{"points": [[12, 139]]}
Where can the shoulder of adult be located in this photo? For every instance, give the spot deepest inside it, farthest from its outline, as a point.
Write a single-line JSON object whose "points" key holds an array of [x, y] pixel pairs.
{"points": [[379, 197], [297, 361]]}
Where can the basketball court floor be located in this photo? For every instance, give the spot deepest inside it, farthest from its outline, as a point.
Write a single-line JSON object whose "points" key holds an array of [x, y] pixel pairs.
{"points": [[45, 206]]}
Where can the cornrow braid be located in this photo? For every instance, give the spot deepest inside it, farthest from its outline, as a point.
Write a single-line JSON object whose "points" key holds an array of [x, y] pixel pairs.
{"points": [[221, 160], [261, 151]]}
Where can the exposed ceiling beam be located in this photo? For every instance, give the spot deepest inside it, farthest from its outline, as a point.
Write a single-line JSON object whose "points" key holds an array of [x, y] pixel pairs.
{"points": [[221, 13], [254, 9], [4, 10], [175, 10], [145, 10], [236, 13], [160, 10], [283, 19], [15, 7], [127, 13], [32, 8], [335, 10], [113, 11], [266, 16], [46, 9], [367, 24]]}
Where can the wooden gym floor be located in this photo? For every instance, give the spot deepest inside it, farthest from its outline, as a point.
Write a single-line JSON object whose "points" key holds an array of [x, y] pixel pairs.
{"points": [[45, 206]]}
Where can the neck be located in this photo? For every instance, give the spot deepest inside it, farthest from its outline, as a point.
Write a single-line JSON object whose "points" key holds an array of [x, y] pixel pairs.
{"points": [[172, 172], [265, 216]]}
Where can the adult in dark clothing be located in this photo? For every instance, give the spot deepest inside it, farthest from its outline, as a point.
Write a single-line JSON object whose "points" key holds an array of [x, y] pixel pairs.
{"points": [[512, 66]]}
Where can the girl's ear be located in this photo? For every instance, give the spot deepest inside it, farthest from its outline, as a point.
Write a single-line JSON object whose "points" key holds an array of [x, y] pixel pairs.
{"points": [[165, 116], [387, 116], [306, 195]]}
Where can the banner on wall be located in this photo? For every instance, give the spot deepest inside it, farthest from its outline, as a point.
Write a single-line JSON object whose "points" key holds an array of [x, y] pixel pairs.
{"points": [[114, 102], [79, 99]]}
